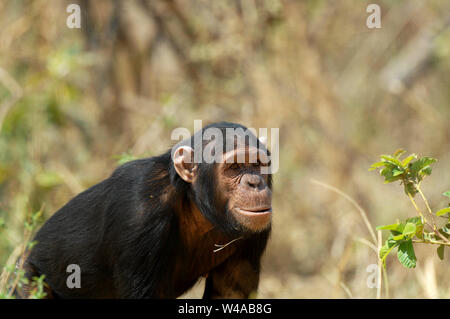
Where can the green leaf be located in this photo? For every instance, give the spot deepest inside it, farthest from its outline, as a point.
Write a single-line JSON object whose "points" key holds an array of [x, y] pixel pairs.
{"points": [[388, 227], [407, 160], [384, 250], [399, 153], [419, 225], [388, 173], [392, 160], [406, 254], [426, 170], [397, 172], [398, 237], [376, 165], [443, 211], [415, 220], [440, 252], [429, 236], [410, 188], [446, 229], [389, 244], [410, 229], [420, 164], [447, 194]]}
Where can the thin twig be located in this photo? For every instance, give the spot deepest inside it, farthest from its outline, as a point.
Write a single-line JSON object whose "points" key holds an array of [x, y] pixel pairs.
{"points": [[427, 205], [430, 242], [432, 226], [386, 283], [417, 208], [351, 200], [224, 245], [367, 243], [380, 265], [346, 289]]}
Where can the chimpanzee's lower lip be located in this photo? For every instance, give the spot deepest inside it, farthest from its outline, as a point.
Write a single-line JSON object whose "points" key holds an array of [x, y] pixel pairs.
{"points": [[256, 211]]}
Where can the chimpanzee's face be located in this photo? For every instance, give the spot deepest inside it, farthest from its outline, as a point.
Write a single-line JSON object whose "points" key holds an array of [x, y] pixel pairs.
{"points": [[234, 194], [245, 189]]}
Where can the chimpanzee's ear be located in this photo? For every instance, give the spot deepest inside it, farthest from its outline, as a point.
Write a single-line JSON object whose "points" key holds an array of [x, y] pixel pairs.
{"points": [[183, 159]]}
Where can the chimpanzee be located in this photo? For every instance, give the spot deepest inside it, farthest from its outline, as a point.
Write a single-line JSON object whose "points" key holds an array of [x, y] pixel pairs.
{"points": [[158, 224]]}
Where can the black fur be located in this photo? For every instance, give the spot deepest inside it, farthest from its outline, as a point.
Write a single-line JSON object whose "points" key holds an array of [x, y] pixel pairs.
{"points": [[124, 234]]}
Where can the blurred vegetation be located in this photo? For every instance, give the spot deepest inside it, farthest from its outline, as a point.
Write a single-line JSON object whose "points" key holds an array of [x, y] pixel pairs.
{"points": [[72, 100], [13, 281]]}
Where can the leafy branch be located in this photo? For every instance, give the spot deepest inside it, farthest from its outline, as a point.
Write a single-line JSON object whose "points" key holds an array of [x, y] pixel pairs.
{"points": [[410, 172]]}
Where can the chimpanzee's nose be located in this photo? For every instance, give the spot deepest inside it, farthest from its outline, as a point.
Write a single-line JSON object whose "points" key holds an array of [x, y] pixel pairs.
{"points": [[251, 181]]}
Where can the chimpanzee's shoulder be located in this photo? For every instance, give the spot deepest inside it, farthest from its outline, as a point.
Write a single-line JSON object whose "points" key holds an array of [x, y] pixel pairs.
{"points": [[134, 167]]}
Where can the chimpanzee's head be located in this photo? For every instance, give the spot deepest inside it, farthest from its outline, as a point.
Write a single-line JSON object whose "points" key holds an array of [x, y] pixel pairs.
{"points": [[228, 176]]}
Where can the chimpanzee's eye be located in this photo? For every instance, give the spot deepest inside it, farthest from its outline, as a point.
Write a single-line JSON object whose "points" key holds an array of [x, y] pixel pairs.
{"points": [[234, 166]]}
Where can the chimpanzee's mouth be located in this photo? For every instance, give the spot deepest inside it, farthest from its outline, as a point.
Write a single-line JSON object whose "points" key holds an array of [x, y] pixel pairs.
{"points": [[255, 219], [262, 210]]}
